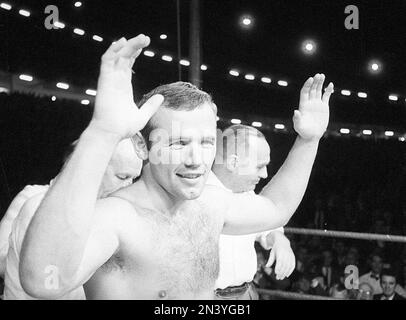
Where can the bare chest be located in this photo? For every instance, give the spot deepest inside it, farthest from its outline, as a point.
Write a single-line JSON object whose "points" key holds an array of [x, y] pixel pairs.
{"points": [[176, 256]]}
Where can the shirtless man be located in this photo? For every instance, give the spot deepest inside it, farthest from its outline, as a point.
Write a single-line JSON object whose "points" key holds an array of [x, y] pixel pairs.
{"points": [[124, 166], [156, 239]]}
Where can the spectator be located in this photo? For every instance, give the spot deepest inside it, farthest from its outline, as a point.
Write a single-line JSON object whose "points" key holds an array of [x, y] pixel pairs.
{"points": [[373, 277], [388, 284], [338, 291], [365, 291]]}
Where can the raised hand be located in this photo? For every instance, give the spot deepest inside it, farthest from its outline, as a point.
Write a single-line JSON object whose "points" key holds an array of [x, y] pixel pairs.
{"points": [[115, 111], [311, 120]]}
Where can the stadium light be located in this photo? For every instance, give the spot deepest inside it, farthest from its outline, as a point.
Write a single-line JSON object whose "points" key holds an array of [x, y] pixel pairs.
{"points": [[282, 83], [346, 92], [149, 53], [24, 13], [309, 47], [5, 6], [362, 95], [97, 38], [279, 126], [26, 77], [246, 21], [203, 67], [91, 92], [249, 77], [257, 124], [235, 121], [167, 58], [79, 32], [59, 25], [62, 85], [367, 132], [78, 4], [163, 37], [266, 80], [184, 62], [234, 73], [53, 98], [374, 66], [85, 102], [393, 97], [344, 131], [389, 133]]}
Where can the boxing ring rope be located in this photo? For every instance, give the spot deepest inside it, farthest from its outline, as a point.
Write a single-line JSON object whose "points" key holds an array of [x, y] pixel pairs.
{"points": [[346, 234], [332, 234], [292, 295]]}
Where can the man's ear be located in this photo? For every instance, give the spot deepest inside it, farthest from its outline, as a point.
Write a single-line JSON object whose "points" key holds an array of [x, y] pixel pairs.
{"points": [[232, 162], [140, 146]]}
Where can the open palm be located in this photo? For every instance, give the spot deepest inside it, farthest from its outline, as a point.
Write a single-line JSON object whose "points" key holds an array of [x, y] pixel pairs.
{"points": [[115, 110], [311, 120]]}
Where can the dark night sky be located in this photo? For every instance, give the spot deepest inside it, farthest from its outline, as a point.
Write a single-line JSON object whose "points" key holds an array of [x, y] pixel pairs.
{"points": [[271, 47]]}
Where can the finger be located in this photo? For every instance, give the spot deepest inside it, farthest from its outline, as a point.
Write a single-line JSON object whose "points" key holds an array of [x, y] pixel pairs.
{"points": [[152, 105], [304, 93], [271, 259], [133, 45], [133, 58], [118, 45], [122, 63], [296, 116], [319, 89], [109, 57], [312, 94], [327, 93]]}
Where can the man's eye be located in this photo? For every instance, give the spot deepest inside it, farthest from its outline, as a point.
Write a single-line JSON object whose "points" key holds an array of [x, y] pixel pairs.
{"points": [[123, 177], [178, 144], [208, 143]]}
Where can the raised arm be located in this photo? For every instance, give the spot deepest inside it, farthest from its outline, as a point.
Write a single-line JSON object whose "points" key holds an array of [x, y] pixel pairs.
{"points": [[61, 227], [9, 218], [282, 195]]}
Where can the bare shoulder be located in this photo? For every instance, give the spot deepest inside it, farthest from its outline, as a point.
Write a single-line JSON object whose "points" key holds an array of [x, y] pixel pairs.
{"points": [[216, 198]]}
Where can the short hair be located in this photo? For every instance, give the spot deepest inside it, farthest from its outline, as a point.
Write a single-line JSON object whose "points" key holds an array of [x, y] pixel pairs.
{"points": [[180, 96], [388, 272], [235, 138]]}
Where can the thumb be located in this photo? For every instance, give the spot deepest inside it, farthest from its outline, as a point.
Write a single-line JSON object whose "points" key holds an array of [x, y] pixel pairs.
{"points": [[271, 259], [152, 105], [296, 115]]}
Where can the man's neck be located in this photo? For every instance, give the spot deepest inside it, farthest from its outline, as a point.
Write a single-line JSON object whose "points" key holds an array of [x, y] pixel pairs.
{"points": [[159, 198]]}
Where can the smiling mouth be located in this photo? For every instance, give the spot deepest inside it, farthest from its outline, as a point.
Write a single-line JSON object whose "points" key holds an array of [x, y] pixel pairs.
{"points": [[190, 176]]}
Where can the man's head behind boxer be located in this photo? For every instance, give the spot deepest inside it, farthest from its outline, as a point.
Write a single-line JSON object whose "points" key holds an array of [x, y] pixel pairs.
{"points": [[124, 166], [180, 139], [242, 157]]}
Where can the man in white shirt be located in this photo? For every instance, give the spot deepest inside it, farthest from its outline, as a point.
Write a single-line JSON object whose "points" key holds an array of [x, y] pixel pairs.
{"points": [[373, 278], [124, 166], [241, 162]]}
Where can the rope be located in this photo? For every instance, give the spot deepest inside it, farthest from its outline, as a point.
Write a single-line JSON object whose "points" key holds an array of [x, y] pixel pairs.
{"points": [[292, 295], [347, 234]]}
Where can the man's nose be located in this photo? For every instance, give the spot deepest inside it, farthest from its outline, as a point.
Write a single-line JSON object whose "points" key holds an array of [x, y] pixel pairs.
{"points": [[193, 155], [263, 173]]}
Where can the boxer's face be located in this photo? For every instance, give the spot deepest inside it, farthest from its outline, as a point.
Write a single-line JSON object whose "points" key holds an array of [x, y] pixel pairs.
{"points": [[123, 167], [183, 147], [252, 167]]}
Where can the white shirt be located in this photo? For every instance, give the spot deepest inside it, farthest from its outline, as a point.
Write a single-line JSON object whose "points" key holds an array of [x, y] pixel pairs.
{"points": [[238, 258], [372, 281], [12, 286]]}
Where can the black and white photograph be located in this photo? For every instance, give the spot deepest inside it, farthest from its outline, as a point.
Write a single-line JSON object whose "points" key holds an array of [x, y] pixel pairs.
{"points": [[221, 151]]}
